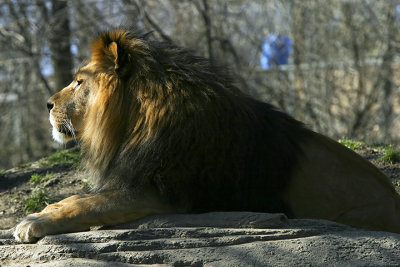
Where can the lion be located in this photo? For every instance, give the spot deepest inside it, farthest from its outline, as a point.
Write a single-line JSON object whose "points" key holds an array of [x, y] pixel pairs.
{"points": [[164, 131]]}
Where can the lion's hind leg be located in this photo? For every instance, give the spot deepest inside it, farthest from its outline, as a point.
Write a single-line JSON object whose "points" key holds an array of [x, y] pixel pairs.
{"points": [[384, 216]]}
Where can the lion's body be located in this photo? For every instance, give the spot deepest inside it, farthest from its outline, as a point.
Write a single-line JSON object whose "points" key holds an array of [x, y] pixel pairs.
{"points": [[165, 131], [233, 162]]}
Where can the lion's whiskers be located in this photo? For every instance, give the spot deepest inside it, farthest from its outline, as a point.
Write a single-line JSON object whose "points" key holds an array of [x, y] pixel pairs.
{"points": [[68, 124]]}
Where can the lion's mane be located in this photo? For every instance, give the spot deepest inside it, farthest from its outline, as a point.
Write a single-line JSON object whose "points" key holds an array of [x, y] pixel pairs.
{"points": [[163, 117]]}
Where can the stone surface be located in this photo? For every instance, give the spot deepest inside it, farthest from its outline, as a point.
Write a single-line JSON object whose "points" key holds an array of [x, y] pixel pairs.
{"points": [[211, 239]]}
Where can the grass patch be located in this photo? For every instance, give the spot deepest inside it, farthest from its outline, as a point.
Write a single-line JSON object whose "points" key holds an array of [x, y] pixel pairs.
{"points": [[38, 200], [39, 178], [88, 184], [391, 154], [2, 173], [24, 165], [70, 157], [352, 144]]}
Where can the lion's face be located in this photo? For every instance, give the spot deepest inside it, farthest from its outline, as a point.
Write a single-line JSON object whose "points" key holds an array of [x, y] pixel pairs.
{"points": [[67, 108]]}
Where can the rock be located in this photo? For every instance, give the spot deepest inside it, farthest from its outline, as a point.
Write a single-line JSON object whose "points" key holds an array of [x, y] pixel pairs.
{"points": [[52, 182], [211, 239]]}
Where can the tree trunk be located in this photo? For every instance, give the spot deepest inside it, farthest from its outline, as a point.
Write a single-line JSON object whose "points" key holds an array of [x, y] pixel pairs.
{"points": [[60, 44]]}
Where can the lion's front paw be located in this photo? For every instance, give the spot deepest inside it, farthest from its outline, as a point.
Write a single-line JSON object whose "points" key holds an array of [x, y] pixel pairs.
{"points": [[30, 230]]}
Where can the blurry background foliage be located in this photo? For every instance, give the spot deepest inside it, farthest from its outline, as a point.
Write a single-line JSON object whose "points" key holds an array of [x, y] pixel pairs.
{"points": [[332, 64]]}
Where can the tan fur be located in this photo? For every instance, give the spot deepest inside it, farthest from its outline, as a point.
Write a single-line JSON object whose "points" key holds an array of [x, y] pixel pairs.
{"points": [[78, 213]]}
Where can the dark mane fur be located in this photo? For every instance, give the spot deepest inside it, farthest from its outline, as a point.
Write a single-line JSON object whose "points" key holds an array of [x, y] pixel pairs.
{"points": [[184, 128]]}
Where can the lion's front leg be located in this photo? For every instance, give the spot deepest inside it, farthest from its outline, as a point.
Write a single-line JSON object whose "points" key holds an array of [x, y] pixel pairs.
{"points": [[78, 213]]}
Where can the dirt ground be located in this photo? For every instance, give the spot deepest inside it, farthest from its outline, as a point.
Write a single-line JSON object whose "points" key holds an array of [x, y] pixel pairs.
{"points": [[16, 187], [66, 180]]}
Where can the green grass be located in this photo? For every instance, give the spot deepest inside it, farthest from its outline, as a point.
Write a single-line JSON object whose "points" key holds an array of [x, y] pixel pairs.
{"points": [[87, 182], [352, 144], [39, 178], [391, 154], [38, 200], [70, 157], [2, 173], [24, 164]]}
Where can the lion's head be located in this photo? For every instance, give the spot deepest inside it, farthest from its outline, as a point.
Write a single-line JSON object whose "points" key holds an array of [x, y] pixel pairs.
{"points": [[68, 107], [96, 107]]}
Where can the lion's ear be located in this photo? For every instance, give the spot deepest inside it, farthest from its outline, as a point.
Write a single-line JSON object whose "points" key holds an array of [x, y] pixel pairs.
{"points": [[108, 56]]}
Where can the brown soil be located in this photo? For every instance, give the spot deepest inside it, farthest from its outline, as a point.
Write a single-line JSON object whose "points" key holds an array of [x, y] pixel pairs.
{"points": [[15, 188]]}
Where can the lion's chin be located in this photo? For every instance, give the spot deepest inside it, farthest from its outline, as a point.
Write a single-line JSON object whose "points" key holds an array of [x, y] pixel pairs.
{"points": [[61, 138]]}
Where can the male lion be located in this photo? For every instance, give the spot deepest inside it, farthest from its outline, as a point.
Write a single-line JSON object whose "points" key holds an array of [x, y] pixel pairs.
{"points": [[163, 131]]}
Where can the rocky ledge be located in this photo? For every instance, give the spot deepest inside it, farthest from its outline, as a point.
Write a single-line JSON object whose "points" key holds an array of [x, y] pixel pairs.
{"points": [[210, 239]]}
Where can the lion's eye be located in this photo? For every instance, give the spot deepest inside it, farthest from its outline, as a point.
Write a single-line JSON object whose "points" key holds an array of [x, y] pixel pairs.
{"points": [[78, 84]]}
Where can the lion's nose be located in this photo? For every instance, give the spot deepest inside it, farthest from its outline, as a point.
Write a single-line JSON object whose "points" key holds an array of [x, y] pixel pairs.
{"points": [[50, 106]]}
